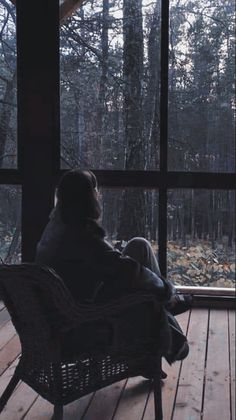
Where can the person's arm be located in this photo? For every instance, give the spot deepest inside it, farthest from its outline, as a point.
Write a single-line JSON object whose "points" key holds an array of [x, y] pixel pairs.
{"points": [[126, 274]]}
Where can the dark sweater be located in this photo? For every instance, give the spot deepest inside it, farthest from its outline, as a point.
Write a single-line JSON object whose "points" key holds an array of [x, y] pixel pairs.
{"points": [[90, 267]]}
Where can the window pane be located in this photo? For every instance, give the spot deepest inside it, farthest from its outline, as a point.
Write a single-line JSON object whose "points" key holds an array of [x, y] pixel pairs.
{"points": [[10, 223], [201, 237], [110, 85], [127, 213], [202, 108], [8, 147]]}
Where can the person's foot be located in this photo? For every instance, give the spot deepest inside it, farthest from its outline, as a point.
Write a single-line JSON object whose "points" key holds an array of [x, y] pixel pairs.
{"points": [[163, 375], [179, 304], [183, 352]]}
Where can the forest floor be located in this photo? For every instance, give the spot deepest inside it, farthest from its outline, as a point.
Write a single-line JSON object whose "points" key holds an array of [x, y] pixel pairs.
{"points": [[199, 264]]}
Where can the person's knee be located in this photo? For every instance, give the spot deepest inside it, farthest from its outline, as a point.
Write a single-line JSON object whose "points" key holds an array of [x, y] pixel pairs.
{"points": [[138, 248], [139, 241]]}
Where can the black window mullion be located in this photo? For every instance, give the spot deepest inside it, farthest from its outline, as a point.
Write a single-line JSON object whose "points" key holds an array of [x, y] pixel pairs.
{"points": [[10, 176], [169, 180], [162, 228], [38, 114]]}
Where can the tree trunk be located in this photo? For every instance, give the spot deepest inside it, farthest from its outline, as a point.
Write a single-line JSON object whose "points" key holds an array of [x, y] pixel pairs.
{"points": [[152, 103], [133, 78], [102, 108], [132, 218], [5, 116]]}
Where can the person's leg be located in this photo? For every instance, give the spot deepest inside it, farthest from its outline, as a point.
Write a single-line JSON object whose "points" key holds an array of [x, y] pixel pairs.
{"points": [[140, 250], [179, 345]]}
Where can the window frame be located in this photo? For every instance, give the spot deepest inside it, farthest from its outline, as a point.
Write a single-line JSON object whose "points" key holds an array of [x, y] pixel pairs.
{"points": [[38, 133]]}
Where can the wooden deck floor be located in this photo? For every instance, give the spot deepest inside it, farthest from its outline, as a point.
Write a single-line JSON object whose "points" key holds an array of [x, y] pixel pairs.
{"points": [[200, 388]]}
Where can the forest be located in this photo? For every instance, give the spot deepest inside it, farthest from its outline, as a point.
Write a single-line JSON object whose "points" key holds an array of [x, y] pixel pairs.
{"points": [[110, 119]]}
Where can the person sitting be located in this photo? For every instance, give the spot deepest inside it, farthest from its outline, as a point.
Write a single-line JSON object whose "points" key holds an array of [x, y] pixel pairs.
{"points": [[73, 243]]}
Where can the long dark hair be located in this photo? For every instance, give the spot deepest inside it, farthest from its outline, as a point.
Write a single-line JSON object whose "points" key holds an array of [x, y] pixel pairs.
{"points": [[77, 198]]}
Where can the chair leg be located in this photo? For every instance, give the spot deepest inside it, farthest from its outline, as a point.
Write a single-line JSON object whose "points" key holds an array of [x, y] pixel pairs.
{"points": [[58, 412], [8, 391], [157, 390]]}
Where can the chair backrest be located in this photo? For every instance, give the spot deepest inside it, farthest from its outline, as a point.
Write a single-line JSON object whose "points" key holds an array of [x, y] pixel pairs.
{"points": [[40, 304], [35, 297], [41, 307]]}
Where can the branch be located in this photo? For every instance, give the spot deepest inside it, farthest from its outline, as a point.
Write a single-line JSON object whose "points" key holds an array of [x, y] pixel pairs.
{"points": [[10, 9], [77, 38]]}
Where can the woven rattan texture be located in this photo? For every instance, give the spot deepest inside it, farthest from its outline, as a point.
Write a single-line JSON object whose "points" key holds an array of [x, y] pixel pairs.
{"points": [[57, 360]]}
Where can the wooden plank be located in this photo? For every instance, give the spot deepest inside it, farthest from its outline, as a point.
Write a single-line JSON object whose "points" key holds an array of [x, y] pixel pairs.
{"points": [[133, 400], [77, 409], [6, 376], [232, 360], [189, 394], [104, 402], [4, 317], [21, 399], [19, 403], [40, 410], [6, 333], [9, 353], [43, 410], [170, 384], [216, 398]]}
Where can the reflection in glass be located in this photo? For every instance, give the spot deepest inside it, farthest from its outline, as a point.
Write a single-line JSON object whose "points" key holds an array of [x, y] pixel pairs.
{"points": [[110, 73], [201, 237], [202, 107], [8, 148], [10, 223]]}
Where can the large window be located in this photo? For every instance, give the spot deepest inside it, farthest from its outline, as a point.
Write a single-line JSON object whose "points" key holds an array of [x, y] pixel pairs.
{"points": [[127, 105], [202, 86], [201, 238], [110, 85], [147, 99]]}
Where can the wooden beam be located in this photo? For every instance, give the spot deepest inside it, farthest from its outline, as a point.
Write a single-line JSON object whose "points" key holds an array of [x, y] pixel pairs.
{"points": [[38, 101], [66, 8]]}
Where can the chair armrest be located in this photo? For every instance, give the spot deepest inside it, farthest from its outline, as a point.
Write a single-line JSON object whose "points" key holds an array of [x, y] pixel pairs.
{"points": [[124, 322], [85, 313]]}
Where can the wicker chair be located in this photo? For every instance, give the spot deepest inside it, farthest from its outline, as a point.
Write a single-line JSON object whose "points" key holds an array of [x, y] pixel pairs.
{"points": [[69, 349]]}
